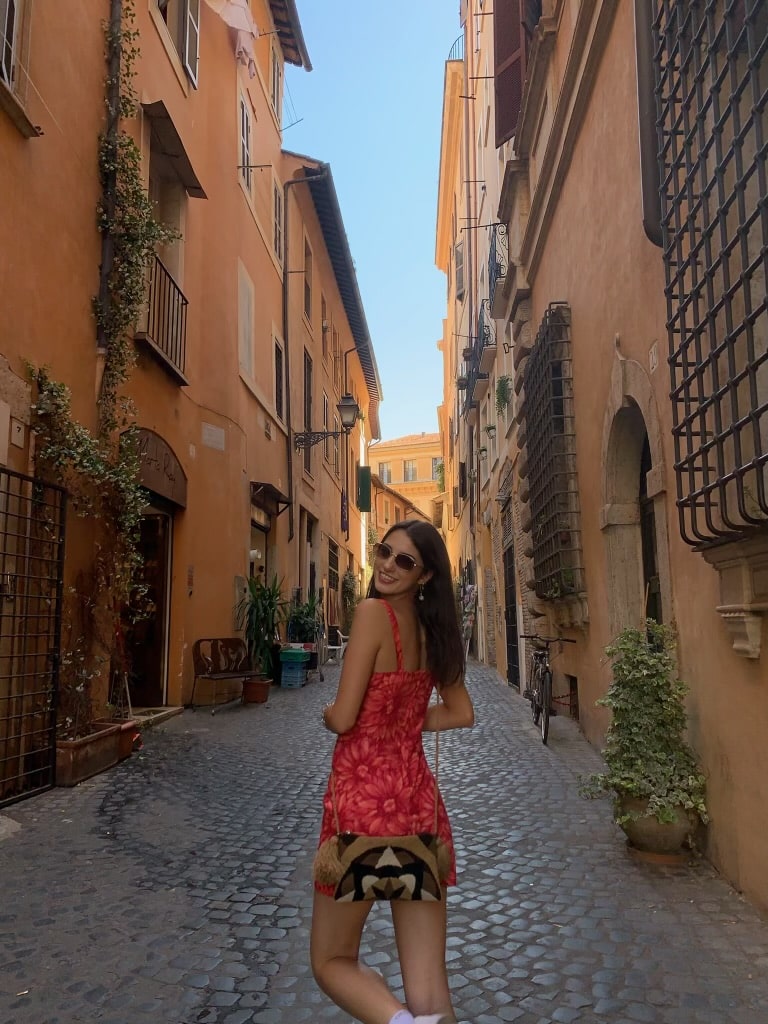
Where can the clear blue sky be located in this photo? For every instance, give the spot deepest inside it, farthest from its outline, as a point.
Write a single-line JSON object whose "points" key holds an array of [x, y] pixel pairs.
{"points": [[372, 109]]}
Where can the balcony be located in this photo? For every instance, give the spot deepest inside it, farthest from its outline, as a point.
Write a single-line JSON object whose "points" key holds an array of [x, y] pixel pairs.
{"points": [[498, 262], [164, 330], [457, 50], [486, 337]]}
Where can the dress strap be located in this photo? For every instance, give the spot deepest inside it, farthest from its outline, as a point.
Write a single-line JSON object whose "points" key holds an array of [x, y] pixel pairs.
{"points": [[395, 635]]}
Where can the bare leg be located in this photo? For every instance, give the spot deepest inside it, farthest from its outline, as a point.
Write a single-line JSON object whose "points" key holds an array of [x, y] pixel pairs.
{"points": [[420, 929], [334, 950]]}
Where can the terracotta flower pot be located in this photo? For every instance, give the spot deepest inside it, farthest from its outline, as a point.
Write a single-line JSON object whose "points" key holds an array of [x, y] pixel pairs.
{"points": [[129, 733], [256, 691], [650, 835], [80, 759]]}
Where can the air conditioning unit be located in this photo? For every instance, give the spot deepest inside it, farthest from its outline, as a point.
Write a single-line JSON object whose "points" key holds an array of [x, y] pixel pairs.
{"points": [[326, 326]]}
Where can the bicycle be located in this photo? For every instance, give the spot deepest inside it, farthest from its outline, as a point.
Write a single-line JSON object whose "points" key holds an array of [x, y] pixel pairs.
{"points": [[539, 691]]}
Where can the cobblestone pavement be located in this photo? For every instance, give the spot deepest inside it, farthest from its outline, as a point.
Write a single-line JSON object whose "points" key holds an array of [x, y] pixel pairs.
{"points": [[175, 888]]}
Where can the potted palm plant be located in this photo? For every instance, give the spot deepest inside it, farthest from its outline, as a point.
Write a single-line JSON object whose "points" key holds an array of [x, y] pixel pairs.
{"points": [[658, 788], [259, 614]]}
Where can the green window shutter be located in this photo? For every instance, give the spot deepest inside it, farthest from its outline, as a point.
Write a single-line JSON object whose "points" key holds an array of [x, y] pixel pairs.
{"points": [[364, 489]]}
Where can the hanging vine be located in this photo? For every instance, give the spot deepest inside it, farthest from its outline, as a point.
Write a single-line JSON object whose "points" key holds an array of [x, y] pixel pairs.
{"points": [[100, 469]]}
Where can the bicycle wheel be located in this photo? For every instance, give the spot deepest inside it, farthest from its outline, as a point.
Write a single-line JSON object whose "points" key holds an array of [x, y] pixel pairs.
{"points": [[545, 694], [536, 694]]}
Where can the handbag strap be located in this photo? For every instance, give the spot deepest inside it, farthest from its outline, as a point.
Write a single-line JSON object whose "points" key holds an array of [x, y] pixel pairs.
{"points": [[437, 769]]}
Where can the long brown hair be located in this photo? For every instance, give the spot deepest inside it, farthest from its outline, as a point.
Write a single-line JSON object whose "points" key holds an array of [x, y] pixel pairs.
{"points": [[437, 612]]}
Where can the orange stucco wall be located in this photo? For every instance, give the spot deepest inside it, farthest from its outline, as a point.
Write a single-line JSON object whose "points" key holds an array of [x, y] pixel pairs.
{"points": [[223, 427], [597, 258]]}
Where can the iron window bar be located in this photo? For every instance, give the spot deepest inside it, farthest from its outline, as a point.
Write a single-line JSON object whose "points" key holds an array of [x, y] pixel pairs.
{"points": [[710, 64], [551, 447]]}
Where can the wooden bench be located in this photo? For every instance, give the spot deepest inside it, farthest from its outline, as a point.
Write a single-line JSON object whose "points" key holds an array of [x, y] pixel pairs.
{"points": [[221, 659]]}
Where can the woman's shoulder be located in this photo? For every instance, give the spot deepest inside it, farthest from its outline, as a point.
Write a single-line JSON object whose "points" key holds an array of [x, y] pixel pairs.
{"points": [[371, 610]]}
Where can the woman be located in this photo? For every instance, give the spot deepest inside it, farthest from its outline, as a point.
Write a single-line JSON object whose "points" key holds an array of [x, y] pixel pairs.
{"points": [[404, 642]]}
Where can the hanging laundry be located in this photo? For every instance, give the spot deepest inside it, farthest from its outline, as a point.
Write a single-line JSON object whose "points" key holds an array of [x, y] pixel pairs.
{"points": [[237, 14]]}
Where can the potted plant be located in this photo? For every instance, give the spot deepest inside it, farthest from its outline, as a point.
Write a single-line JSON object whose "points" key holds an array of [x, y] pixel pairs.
{"points": [[304, 622], [658, 789], [259, 614], [503, 393]]}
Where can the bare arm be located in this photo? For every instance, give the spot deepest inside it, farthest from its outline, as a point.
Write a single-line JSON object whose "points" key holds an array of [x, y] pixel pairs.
{"points": [[368, 630], [454, 712]]}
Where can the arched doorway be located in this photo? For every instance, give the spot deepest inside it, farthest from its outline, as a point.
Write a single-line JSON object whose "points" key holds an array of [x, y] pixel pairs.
{"points": [[633, 523]]}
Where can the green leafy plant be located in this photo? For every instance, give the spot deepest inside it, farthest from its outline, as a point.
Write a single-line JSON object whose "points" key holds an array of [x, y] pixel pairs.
{"points": [[260, 613], [304, 619], [350, 595], [440, 476], [503, 393], [645, 752], [100, 468]]}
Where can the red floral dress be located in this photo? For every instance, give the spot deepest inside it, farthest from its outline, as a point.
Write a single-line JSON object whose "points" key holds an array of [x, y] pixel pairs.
{"points": [[383, 783]]}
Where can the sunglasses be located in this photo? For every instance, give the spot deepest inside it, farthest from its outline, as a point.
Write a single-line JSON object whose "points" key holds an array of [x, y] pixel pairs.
{"points": [[403, 561]]}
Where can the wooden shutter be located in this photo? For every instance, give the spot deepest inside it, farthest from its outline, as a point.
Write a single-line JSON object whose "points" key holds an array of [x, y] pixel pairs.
{"points": [[192, 39], [459, 258], [364, 489], [462, 480], [509, 65]]}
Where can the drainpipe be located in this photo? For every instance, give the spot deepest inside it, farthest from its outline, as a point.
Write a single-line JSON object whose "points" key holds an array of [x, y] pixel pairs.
{"points": [[109, 179], [286, 275]]}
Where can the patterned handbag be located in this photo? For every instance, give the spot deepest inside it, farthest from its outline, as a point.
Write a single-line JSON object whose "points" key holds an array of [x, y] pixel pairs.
{"points": [[384, 867]]}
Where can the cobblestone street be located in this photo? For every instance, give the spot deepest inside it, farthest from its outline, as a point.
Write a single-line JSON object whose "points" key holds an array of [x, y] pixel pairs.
{"points": [[175, 888]]}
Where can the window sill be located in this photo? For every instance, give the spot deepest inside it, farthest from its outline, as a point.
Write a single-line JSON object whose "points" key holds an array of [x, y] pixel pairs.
{"points": [[14, 108]]}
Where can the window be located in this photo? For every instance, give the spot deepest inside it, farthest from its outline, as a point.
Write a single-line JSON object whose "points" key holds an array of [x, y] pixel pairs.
{"points": [[385, 472], [246, 171], [279, 381], [245, 321], [713, 217], [277, 241], [326, 427], [386, 511], [333, 565], [336, 360], [307, 280], [182, 18], [409, 470], [436, 464], [9, 30], [336, 446], [276, 84], [326, 329], [307, 406], [458, 256], [397, 514]]}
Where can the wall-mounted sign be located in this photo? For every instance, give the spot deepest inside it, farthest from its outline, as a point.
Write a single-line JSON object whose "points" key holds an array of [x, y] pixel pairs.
{"points": [[159, 469]]}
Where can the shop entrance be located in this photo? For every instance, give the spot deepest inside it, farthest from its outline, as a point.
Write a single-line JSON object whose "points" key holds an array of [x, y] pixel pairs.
{"points": [[147, 638]]}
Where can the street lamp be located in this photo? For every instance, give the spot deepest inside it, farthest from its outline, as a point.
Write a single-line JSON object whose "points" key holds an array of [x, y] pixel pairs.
{"points": [[349, 411]]}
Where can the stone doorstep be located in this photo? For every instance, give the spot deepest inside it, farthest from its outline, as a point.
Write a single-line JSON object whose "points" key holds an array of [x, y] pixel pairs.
{"points": [[145, 718]]}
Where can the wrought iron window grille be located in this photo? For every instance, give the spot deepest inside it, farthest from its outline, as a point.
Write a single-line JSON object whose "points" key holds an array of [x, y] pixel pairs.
{"points": [[551, 448], [710, 63]]}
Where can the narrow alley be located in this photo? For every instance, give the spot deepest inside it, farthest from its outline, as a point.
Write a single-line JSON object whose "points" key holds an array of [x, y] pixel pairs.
{"points": [[175, 888]]}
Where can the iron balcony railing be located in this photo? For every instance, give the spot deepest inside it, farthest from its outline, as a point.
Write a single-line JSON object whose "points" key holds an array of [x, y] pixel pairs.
{"points": [[498, 259], [457, 50], [165, 328], [486, 329]]}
